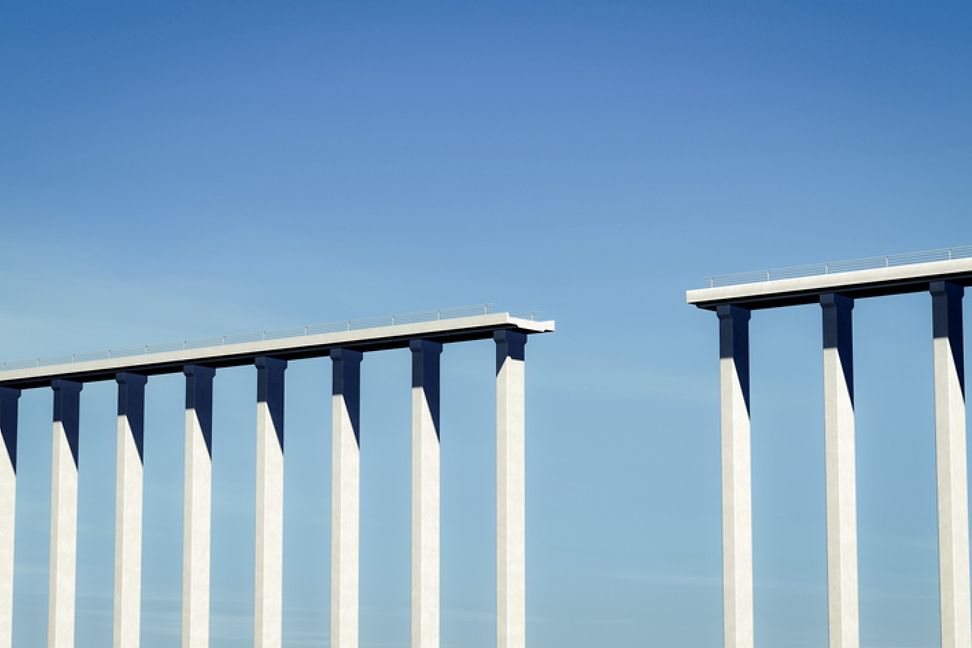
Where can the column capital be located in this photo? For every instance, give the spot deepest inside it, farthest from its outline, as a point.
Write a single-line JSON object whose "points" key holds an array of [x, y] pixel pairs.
{"points": [[734, 312], [836, 300], [425, 346], [346, 355], [200, 372], [946, 289]]}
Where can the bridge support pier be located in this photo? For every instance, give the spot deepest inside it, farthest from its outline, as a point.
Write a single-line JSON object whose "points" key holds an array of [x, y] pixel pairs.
{"points": [[128, 510], [64, 513], [737, 526], [841, 480], [197, 512], [950, 444], [8, 504]]}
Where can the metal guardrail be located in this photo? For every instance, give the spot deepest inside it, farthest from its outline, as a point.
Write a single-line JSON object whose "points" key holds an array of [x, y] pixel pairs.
{"points": [[278, 334], [833, 267]]}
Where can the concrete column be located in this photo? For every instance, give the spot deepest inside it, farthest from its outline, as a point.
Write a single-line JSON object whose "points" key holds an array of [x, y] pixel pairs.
{"points": [[268, 586], [64, 513], [345, 470], [510, 490], [838, 357], [425, 493], [8, 501], [737, 525], [197, 511], [128, 510], [950, 444]]}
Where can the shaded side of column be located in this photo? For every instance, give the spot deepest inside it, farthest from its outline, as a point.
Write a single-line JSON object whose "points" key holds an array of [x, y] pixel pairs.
{"points": [[268, 584], [128, 510], [425, 493], [841, 474], [737, 525], [345, 498], [64, 513], [950, 452], [8, 503], [510, 489], [197, 506]]}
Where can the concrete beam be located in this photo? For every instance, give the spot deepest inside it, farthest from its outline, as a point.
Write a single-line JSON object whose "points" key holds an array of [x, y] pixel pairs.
{"points": [[737, 525], [425, 493], [950, 448], [8, 503], [197, 510], [128, 510], [268, 585], [345, 496], [838, 359], [510, 489], [64, 513]]}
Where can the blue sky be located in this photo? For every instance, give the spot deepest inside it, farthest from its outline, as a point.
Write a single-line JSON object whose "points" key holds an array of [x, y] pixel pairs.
{"points": [[195, 169]]}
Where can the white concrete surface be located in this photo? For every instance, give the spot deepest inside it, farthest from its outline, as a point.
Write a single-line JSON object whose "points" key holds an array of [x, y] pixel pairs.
{"points": [[197, 506], [425, 493], [510, 489], [345, 496], [268, 582], [950, 447], [128, 511], [369, 339], [841, 480], [8, 502], [835, 282], [737, 526], [64, 514]]}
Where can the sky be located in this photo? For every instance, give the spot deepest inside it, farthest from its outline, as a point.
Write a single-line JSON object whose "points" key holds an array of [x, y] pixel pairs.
{"points": [[175, 170]]}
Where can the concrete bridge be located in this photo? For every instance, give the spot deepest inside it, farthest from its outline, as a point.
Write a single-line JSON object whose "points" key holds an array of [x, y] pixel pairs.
{"points": [[346, 345], [941, 273]]}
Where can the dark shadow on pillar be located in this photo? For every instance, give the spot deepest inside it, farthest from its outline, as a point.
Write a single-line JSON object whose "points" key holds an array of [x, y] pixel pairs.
{"points": [[947, 322], [270, 390], [734, 342], [199, 398], [509, 344], [131, 405], [346, 383], [425, 374], [8, 423], [67, 411], [838, 333]]}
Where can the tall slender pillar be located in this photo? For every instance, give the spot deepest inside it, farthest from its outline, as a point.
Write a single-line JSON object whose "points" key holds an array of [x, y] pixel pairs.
{"points": [[345, 471], [950, 444], [268, 586], [737, 525], [510, 489], [838, 360], [8, 502], [128, 509], [64, 513], [425, 493], [197, 512]]}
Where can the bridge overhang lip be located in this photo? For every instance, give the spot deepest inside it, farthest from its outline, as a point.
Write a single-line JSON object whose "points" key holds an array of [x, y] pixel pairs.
{"points": [[858, 284], [458, 329]]}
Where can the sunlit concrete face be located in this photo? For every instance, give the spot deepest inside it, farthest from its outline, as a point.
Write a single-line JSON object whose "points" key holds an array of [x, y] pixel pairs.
{"points": [[950, 454], [425, 339], [836, 294], [838, 361], [737, 531]]}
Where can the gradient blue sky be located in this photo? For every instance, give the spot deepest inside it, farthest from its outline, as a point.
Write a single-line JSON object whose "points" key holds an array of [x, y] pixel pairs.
{"points": [[194, 169]]}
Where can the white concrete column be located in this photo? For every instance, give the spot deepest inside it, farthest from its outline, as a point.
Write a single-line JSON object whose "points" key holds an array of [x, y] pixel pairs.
{"points": [[128, 510], [64, 513], [737, 525], [345, 471], [268, 584], [425, 493], [197, 511], [950, 444], [8, 502], [838, 360], [510, 490]]}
